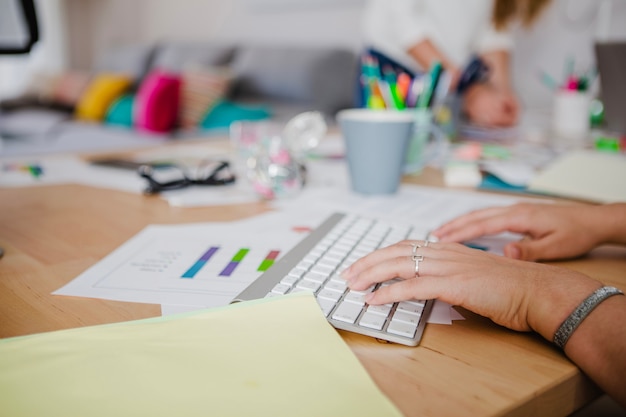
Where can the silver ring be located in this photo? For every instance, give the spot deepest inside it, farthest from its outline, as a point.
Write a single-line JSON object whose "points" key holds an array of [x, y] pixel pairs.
{"points": [[417, 259], [415, 246], [426, 243]]}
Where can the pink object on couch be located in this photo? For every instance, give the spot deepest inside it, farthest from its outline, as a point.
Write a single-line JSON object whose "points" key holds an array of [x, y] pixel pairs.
{"points": [[157, 102]]}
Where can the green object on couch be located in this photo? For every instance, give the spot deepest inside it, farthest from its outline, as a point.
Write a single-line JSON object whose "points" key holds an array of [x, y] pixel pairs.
{"points": [[226, 112], [121, 111]]}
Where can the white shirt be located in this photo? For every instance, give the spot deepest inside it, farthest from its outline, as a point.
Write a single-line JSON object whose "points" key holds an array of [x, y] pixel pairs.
{"points": [[458, 28]]}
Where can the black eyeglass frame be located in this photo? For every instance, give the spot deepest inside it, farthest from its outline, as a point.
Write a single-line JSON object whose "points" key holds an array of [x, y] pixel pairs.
{"points": [[213, 179]]}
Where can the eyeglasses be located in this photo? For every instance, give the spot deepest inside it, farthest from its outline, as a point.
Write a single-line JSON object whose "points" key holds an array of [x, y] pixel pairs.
{"points": [[212, 173]]}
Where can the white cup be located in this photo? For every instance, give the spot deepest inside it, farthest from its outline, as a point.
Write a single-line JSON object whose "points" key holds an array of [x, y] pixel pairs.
{"points": [[570, 119]]}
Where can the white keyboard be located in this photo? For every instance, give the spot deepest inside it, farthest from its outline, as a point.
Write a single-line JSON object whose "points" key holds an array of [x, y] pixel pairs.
{"points": [[315, 263]]}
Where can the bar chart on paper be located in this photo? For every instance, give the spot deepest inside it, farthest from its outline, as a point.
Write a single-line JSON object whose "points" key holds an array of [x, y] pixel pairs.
{"points": [[169, 265], [194, 264], [232, 265], [191, 266]]}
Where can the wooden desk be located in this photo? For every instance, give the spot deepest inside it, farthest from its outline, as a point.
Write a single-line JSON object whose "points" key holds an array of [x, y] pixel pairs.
{"points": [[51, 234]]}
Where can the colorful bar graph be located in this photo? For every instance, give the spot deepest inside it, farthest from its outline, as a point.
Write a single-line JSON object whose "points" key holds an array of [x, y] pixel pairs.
{"points": [[268, 261], [230, 268], [191, 272]]}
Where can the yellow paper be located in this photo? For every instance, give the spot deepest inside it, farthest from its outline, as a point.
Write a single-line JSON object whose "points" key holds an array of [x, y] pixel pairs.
{"points": [[274, 357]]}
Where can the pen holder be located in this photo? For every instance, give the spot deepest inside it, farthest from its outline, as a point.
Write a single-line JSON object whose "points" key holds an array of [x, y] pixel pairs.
{"points": [[571, 118], [426, 144]]}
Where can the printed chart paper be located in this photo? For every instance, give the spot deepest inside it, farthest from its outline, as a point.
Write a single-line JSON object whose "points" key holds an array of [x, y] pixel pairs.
{"points": [[202, 265]]}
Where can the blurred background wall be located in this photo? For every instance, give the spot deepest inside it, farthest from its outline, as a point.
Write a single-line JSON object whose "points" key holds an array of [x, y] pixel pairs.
{"points": [[75, 31]]}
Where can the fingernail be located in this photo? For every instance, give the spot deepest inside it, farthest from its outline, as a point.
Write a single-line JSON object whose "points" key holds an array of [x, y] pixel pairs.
{"points": [[433, 237], [369, 297]]}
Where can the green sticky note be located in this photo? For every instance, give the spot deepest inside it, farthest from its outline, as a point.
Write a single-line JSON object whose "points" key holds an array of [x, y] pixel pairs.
{"points": [[606, 144]]}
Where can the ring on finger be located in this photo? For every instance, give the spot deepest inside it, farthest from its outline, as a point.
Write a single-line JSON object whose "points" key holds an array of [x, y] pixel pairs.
{"points": [[417, 259]]}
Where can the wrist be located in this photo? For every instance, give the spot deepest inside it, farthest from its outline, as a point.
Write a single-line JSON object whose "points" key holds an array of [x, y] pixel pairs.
{"points": [[612, 223], [580, 313], [556, 298]]}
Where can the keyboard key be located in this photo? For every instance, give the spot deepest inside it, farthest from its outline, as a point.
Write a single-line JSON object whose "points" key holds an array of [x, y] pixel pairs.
{"points": [[408, 307], [420, 303], [315, 277], [323, 270], [289, 280], [333, 296], [372, 321], [336, 285], [353, 258], [401, 329], [297, 272], [359, 253], [406, 317], [303, 264], [281, 289], [326, 305], [345, 247], [305, 284], [382, 310], [317, 252], [329, 261], [355, 297], [308, 260], [347, 312]]}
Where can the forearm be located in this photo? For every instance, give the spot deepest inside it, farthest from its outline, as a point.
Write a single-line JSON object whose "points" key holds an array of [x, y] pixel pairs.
{"points": [[425, 53], [598, 347], [556, 294]]}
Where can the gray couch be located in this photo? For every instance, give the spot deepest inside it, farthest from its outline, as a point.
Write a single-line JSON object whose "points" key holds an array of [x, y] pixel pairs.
{"points": [[286, 79]]}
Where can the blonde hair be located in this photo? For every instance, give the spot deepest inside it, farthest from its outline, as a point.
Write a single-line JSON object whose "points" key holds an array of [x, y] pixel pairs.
{"points": [[527, 11]]}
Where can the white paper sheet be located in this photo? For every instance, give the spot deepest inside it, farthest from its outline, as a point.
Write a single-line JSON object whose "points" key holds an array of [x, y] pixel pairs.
{"points": [[36, 171], [16, 172], [151, 266]]}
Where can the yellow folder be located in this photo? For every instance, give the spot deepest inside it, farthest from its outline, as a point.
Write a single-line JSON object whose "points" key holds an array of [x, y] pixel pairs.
{"points": [[271, 357]]}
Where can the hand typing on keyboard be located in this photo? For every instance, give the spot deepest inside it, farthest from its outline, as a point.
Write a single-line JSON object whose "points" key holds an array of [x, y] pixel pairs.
{"points": [[520, 295], [488, 284], [553, 231]]}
